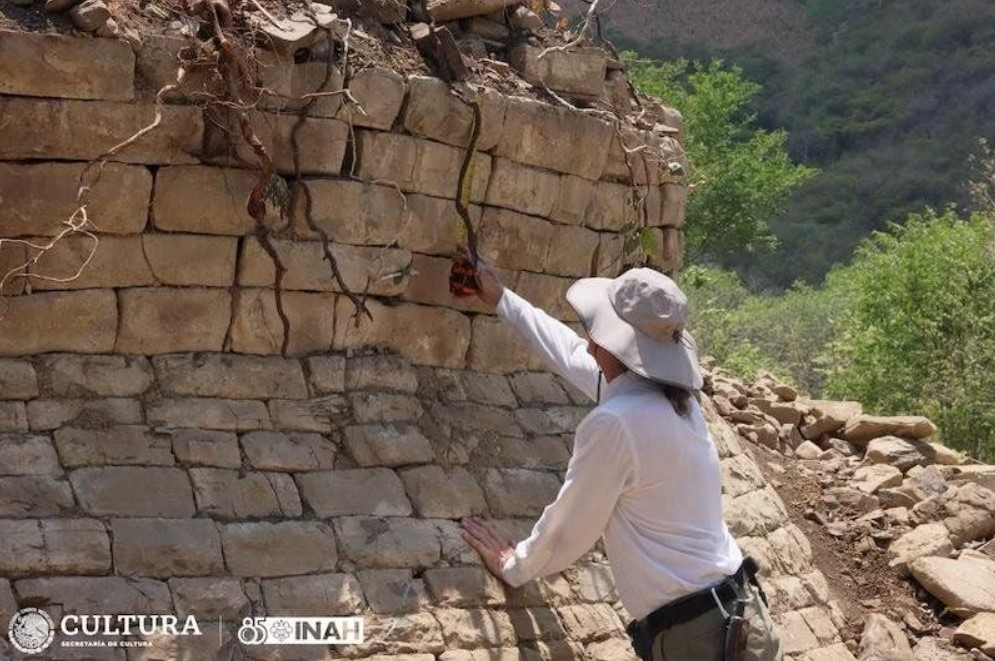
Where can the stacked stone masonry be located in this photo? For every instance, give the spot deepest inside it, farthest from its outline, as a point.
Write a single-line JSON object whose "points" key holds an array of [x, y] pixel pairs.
{"points": [[158, 455]]}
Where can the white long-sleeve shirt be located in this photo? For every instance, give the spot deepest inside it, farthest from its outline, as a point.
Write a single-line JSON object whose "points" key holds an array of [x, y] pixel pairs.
{"points": [[640, 475]]}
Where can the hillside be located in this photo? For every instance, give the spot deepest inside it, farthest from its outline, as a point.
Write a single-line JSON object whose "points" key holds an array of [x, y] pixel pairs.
{"points": [[888, 99]]}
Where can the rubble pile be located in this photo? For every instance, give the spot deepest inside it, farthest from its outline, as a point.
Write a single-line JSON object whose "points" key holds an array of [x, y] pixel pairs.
{"points": [[886, 488]]}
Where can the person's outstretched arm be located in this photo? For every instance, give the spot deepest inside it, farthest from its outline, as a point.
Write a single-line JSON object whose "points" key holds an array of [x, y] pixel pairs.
{"points": [[557, 343]]}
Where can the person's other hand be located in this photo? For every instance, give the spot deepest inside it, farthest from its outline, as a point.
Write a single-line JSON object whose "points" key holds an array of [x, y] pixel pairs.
{"points": [[488, 280], [481, 536]]}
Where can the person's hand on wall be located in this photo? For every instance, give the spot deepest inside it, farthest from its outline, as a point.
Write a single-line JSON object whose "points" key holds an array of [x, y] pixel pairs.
{"points": [[482, 537], [488, 281]]}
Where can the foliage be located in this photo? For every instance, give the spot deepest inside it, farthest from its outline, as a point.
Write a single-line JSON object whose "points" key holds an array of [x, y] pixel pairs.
{"points": [[785, 334], [889, 103], [741, 173], [919, 333]]}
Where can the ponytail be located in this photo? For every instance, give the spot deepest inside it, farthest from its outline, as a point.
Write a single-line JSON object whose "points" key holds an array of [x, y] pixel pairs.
{"points": [[679, 398]]}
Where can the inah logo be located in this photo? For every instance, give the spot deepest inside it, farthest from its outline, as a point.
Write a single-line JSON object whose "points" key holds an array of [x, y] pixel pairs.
{"points": [[302, 630], [31, 630]]}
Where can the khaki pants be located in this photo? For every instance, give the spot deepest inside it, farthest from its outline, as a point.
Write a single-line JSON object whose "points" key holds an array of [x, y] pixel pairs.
{"points": [[703, 638]]}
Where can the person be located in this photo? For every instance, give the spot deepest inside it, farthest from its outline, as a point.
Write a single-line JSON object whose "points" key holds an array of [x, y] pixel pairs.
{"points": [[644, 474]]}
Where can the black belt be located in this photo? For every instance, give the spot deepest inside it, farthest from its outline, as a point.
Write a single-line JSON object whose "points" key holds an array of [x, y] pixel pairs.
{"points": [[696, 604]]}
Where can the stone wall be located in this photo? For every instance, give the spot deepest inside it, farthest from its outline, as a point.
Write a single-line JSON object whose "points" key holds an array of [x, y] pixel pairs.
{"points": [[158, 455]]}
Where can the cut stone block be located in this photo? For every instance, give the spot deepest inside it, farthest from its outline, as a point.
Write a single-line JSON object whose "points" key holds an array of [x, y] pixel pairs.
{"points": [[513, 240], [52, 65], [229, 495], [384, 543], [34, 495], [443, 494], [40, 198], [69, 375], [289, 452], [111, 491], [317, 595], [191, 259], [25, 454], [81, 130], [155, 321], [54, 546], [578, 73], [278, 549], [257, 327], [116, 445], [162, 548], [387, 445], [434, 112], [86, 595], [217, 208], [233, 377], [209, 413], [370, 492], [81, 321]]}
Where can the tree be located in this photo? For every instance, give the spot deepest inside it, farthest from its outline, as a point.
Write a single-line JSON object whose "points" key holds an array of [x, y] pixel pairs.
{"points": [[919, 333], [742, 174]]}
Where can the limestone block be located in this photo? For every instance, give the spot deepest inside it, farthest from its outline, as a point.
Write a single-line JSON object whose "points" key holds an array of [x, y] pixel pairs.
{"points": [[219, 207], [326, 374], [155, 320], [13, 417], [8, 605], [792, 549], [197, 447], [18, 379], [670, 257], [234, 377], [447, 10], [521, 188], [13, 261], [416, 165], [191, 259], [490, 389], [257, 328], [380, 372], [317, 595], [86, 595], [612, 207], [133, 491], [547, 292], [463, 587], [115, 445], [80, 262], [755, 513], [311, 415], [69, 375], [578, 73], [385, 543], [513, 240], [572, 252], [796, 635], [289, 452], [519, 492], [639, 157], [387, 445], [740, 475], [402, 328], [208, 597], [555, 138], [25, 454], [863, 428], [53, 65], [208, 413], [673, 205], [157, 63], [538, 623], [81, 130], [434, 112], [879, 476], [407, 637], [162, 548], [929, 539], [393, 591], [476, 628], [610, 254], [443, 494], [49, 414], [82, 321], [830, 416], [965, 585], [229, 495], [376, 407], [978, 632], [428, 285], [364, 269], [496, 348], [573, 200], [380, 93], [321, 142], [353, 212], [278, 549], [544, 452], [53, 546], [40, 198], [898, 452], [293, 81], [586, 621], [369, 492], [34, 495], [613, 648], [553, 420]]}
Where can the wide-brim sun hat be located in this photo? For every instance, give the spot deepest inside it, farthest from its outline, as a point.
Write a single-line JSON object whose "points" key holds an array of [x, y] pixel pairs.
{"points": [[640, 318]]}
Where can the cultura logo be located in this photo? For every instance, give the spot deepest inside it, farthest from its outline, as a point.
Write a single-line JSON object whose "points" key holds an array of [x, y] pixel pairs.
{"points": [[31, 630]]}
